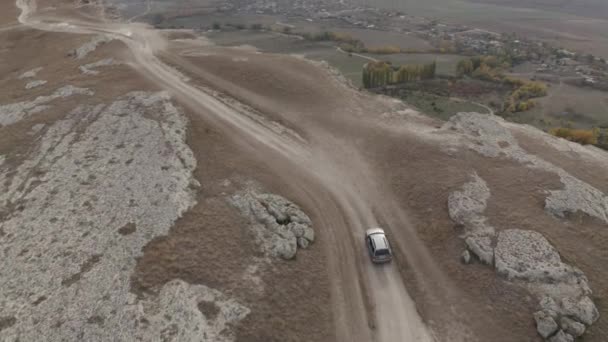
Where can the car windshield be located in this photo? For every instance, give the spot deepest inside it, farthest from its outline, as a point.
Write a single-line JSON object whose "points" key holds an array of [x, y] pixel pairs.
{"points": [[382, 252]]}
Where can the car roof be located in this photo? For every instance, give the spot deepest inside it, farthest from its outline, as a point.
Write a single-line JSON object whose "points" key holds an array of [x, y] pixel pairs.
{"points": [[380, 241], [374, 231]]}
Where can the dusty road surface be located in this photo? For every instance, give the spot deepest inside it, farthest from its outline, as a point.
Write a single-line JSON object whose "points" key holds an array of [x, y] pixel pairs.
{"points": [[119, 153]]}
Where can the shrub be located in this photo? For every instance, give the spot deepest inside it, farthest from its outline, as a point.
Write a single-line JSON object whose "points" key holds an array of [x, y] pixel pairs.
{"points": [[581, 136], [530, 90], [486, 73], [216, 26]]}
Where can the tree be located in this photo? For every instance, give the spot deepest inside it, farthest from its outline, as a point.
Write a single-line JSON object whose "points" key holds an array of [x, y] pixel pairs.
{"points": [[464, 67]]}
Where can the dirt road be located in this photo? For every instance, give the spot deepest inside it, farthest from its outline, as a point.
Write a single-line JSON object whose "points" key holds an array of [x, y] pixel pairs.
{"points": [[371, 303]]}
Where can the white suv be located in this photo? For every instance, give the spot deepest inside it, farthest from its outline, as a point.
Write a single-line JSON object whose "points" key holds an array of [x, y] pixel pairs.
{"points": [[377, 243]]}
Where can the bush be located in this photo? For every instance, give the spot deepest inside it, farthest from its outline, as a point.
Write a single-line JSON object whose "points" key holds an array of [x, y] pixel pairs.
{"points": [[514, 82], [530, 90], [348, 47], [581, 136], [216, 26], [486, 73]]}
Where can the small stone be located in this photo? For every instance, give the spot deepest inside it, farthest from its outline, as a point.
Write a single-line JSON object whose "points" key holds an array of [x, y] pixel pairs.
{"points": [[466, 256], [572, 327], [561, 336], [302, 242], [545, 324]]}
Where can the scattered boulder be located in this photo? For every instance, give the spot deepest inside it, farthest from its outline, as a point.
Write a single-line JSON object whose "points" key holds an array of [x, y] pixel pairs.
{"points": [[526, 256], [279, 225], [572, 327], [561, 336], [545, 324], [466, 256], [581, 309]]}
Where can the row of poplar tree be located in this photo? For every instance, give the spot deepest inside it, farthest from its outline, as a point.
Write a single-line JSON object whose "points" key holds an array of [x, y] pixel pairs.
{"points": [[378, 74]]}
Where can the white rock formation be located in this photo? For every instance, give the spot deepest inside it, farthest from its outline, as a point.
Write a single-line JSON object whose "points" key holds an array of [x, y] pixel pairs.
{"points": [[279, 225], [466, 207], [89, 69], [30, 73], [34, 84], [65, 270], [526, 256], [90, 46]]}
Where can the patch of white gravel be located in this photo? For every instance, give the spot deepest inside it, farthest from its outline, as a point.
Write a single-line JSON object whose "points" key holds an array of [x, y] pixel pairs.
{"points": [[174, 315], [90, 46], [15, 112], [490, 136], [36, 128], [66, 269], [34, 84], [30, 73], [89, 69]]}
